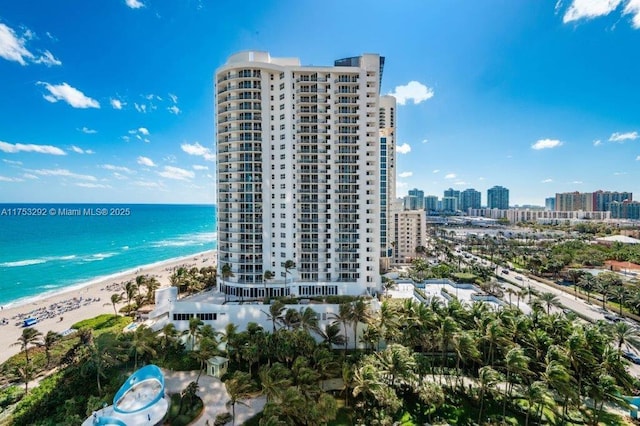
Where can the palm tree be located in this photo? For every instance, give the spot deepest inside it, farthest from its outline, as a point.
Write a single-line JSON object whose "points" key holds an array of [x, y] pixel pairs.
{"points": [[574, 276], [587, 281], [288, 264], [268, 276], [275, 313], [100, 355], [274, 380], [50, 340], [536, 393], [488, 378], [623, 332], [130, 289], [152, 285], [359, 314], [193, 332], [343, 317], [239, 386], [606, 390], [24, 373], [331, 335], [516, 363], [29, 336], [549, 299], [142, 343], [226, 272], [115, 299], [309, 320], [465, 346], [620, 293]]}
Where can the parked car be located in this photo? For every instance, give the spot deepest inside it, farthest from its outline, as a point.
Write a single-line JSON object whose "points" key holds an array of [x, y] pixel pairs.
{"points": [[505, 271], [631, 357], [518, 278]]}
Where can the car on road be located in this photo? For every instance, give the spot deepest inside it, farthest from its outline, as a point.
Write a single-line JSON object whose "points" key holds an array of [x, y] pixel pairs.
{"points": [[518, 278], [505, 271], [612, 318], [631, 357]]}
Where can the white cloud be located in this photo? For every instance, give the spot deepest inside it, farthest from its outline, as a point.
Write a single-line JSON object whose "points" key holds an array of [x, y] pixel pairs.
{"points": [[140, 107], [48, 59], [199, 150], [30, 176], [436, 171], [425, 140], [546, 144], [13, 163], [13, 48], [71, 95], [547, 181], [177, 173], [638, 158], [577, 182], [147, 184], [79, 150], [63, 173], [113, 168], [144, 131], [633, 8], [622, 137], [88, 131], [620, 173], [174, 98], [174, 110], [117, 103], [199, 167], [401, 185], [146, 161], [450, 176], [134, 4], [460, 183], [413, 91], [92, 185], [40, 149], [405, 174], [405, 148], [589, 9], [9, 179], [597, 142]]}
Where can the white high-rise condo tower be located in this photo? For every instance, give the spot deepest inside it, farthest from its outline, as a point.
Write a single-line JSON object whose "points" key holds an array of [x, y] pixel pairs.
{"points": [[298, 174]]}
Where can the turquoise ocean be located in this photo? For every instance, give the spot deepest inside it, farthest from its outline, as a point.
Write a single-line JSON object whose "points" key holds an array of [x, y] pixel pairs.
{"points": [[47, 253]]}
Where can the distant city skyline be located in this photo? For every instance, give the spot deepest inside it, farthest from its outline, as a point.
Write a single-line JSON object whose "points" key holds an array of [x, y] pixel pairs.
{"points": [[539, 97]]}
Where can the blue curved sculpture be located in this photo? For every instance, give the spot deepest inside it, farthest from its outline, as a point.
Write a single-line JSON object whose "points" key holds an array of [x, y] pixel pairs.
{"points": [[109, 421], [140, 391]]}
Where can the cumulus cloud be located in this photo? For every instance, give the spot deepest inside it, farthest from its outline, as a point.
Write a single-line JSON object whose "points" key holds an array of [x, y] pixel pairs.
{"points": [[413, 91], [597, 142], [177, 173], [199, 167], [14, 48], [622, 137], [638, 158], [79, 150], [633, 8], [134, 4], [144, 131], [40, 149], [69, 94], [63, 173], [198, 150], [546, 144], [146, 161], [450, 176], [88, 131], [117, 103], [405, 148], [174, 110], [547, 181], [589, 9], [405, 174]]}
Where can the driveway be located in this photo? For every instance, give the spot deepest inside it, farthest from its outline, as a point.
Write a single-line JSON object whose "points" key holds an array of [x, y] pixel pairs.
{"points": [[214, 396]]}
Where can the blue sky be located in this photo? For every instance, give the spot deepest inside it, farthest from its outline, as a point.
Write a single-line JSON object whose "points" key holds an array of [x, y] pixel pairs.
{"points": [[112, 100]]}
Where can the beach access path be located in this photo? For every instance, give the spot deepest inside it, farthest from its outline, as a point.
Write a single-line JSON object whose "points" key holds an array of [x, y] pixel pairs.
{"points": [[61, 310]]}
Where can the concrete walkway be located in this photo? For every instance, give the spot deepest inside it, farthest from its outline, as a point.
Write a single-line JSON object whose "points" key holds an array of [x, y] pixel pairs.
{"points": [[214, 396]]}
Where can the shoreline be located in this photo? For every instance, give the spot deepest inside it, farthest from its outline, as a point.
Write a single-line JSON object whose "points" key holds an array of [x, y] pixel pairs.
{"points": [[61, 309], [27, 300]]}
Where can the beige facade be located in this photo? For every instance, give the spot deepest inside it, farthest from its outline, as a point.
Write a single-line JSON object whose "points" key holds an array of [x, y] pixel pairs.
{"points": [[410, 229]]}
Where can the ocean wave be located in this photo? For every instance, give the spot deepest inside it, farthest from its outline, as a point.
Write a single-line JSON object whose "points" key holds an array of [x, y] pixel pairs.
{"points": [[97, 257], [26, 262], [198, 239]]}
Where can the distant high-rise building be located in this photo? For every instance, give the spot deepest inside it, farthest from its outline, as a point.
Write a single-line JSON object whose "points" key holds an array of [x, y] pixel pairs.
{"points": [[449, 204], [498, 198], [419, 196], [387, 125], [453, 193], [625, 210], [298, 174], [589, 201], [470, 199], [550, 203], [431, 203], [602, 199]]}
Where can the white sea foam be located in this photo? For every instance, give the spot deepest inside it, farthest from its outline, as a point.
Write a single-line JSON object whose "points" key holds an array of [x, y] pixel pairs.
{"points": [[18, 263], [98, 256], [188, 240]]}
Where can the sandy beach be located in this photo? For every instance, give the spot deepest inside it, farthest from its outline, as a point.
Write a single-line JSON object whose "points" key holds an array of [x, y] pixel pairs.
{"points": [[59, 311]]}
